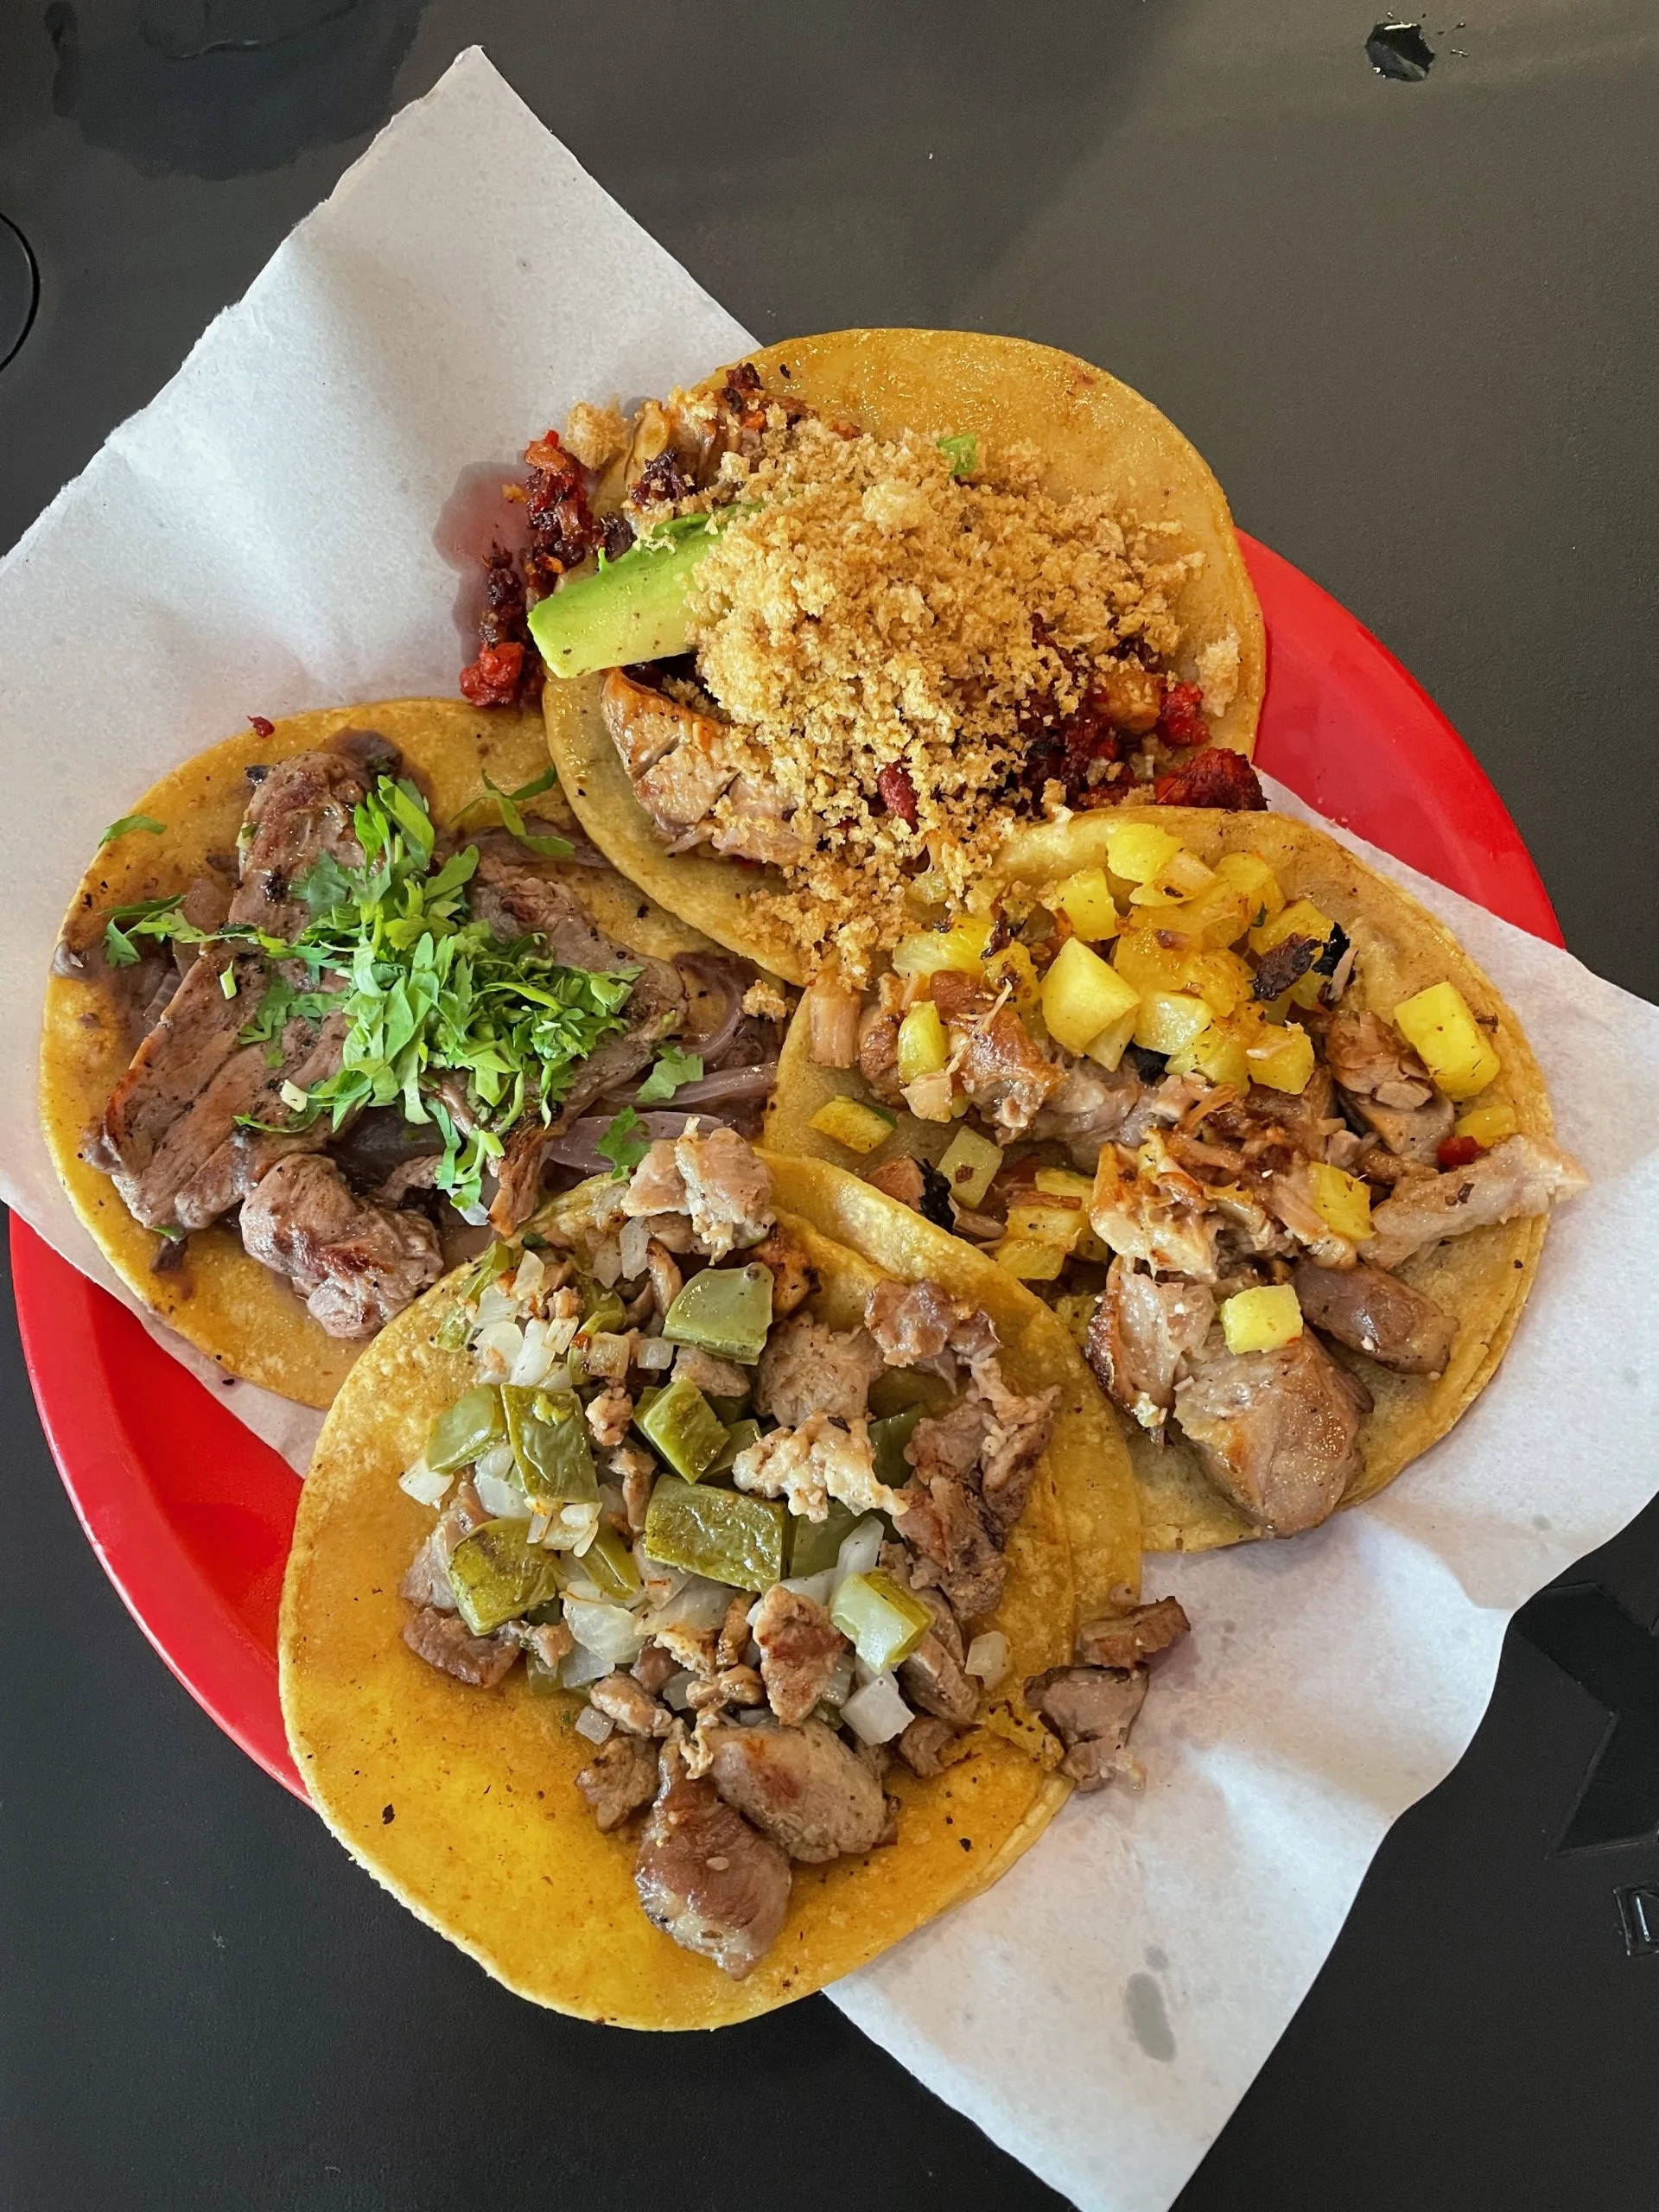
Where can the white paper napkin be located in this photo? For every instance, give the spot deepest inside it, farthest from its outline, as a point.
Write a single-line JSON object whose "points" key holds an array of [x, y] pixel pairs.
{"points": [[261, 538]]}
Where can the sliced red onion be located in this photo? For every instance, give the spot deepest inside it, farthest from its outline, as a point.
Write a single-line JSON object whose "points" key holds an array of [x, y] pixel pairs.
{"points": [[728, 1086], [722, 974]]}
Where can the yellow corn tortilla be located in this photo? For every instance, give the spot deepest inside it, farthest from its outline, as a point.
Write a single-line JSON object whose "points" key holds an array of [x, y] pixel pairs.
{"points": [[1096, 435], [1482, 1277], [463, 1803], [220, 1299]]}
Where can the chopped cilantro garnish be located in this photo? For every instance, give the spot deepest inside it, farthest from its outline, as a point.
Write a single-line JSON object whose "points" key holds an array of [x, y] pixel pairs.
{"points": [[623, 1144], [549, 846], [444, 1018], [132, 822], [673, 1068]]}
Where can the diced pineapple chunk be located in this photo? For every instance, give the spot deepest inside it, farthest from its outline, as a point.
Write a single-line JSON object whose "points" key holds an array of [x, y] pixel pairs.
{"points": [[923, 1048], [1013, 966], [1086, 900], [1488, 1125], [1146, 966], [1136, 851], [1029, 1260], [1036, 1224], [968, 1165], [1300, 919], [1221, 980], [1182, 876], [1113, 1041], [961, 947], [1281, 1060], [1249, 874], [1344, 1200], [1450, 1042], [1262, 1320], [1170, 1021], [1082, 996], [1213, 917], [1061, 1183], [861, 1128], [1218, 1054]]}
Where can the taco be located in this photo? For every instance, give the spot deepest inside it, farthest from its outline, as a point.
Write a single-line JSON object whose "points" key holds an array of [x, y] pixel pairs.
{"points": [[1242, 1112], [866, 600], [751, 1541], [336, 990]]}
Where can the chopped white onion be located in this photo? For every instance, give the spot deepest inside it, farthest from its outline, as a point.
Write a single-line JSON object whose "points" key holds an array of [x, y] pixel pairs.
{"points": [[820, 1588], [498, 1461], [609, 1631], [527, 1283], [581, 1667], [988, 1657], [502, 1501], [661, 1583], [561, 1335], [595, 1725], [494, 1304], [860, 1547], [539, 1525], [877, 1713], [676, 1690], [630, 1247], [605, 1266], [422, 1485], [574, 1528], [839, 1688], [654, 1354], [502, 1340], [699, 1603], [530, 1368], [475, 1217]]}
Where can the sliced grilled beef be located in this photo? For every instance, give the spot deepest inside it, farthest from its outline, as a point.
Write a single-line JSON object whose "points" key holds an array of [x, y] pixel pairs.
{"points": [[301, 810], [802, 1787], [705, 1877], [354, 1263], [309, 1053]]}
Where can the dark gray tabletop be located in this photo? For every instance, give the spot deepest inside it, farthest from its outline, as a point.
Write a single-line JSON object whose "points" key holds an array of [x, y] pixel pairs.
{"points": [[1412, 325]]}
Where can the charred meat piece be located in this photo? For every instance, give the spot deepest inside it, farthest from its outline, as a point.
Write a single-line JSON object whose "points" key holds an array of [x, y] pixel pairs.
{"points": [[678, 761], [1387, 1086], [941, 1520], [717, 1179], [1091, 1710], [444, 1642], [620, 1777], [1159, 1213], [933, 1680], [354, 1263], [1276, 1432], [1142, 1337], [1016, 1436], [807, 1368], [915, 1323], [1124, 1640], [1217, 777], [916, 1184], [1516, 1181], [924, 1742], [705, 1877], [1373, 1311], [800, 1650], [1287, 963], [802, 1787], [302, 811], [793, 1279], [878, 1055], [1004, 1074], [630, 1705]]}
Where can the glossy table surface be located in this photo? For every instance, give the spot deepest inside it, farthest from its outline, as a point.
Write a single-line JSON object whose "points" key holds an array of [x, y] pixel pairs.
{"points": [[1411, 324]]}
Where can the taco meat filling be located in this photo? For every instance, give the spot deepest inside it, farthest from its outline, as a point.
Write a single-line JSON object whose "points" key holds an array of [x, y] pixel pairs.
{"points": [[364, 1035], [766, 1551], [888, 646], [1181, 1124]]}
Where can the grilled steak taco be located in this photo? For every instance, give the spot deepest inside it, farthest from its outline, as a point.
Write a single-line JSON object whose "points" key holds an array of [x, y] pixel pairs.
{"points": [[1242, 1112], [667, 1590], [865, 600], [328, 998]]}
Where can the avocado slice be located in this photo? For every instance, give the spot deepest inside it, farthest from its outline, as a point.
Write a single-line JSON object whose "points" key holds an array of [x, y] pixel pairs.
{"points": [[631, 609]]}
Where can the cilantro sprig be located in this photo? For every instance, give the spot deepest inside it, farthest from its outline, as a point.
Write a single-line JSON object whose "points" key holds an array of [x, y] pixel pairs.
{"points": [[674, 1068], [624, 1143], [442, 1018]]}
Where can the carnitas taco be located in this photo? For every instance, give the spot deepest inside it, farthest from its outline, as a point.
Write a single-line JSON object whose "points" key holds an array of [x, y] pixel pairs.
{"points": [[1242, 1112], [673, 1591], [341, 994], [854, 606]]}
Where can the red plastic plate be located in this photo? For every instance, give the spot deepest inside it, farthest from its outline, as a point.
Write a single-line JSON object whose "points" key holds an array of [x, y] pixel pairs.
{"points": [[192, 1515]]}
